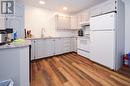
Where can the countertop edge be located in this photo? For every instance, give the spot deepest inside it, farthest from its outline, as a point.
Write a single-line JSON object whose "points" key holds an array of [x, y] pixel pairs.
{"points": [[16, 45], [48, 38], [2, 48]]}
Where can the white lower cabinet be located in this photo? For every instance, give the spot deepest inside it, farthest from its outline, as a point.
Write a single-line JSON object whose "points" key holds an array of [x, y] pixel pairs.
{"points": [[66, 45], [58, 46], [50, 47], [14, 64], [73, 44], [42, 48]]}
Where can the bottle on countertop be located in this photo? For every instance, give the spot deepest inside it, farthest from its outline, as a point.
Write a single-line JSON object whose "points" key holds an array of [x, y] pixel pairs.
{"points": [[29, 34], [14, 35]]}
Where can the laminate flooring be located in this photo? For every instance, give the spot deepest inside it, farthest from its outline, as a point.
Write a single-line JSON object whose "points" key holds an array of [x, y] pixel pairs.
{"points": [[74, 70]]}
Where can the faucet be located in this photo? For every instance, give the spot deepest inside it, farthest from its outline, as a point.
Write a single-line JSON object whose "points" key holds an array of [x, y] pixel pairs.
{"points": [[42, 32]]}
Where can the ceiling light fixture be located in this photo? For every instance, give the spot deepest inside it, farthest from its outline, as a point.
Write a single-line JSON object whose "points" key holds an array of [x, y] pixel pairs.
{"points": [[42, 2], [65, 8]]}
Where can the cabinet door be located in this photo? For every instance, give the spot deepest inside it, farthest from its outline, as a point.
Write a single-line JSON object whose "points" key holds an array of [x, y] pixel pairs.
{"points": [[49, 47], [67, 23], [66, 45], [17, 24], [74, 22], [32, 49], [79, 20], [2, 22], [59, 22], [58, 46], [40, 49], [19, 8], [62, 22], [73, 44]]}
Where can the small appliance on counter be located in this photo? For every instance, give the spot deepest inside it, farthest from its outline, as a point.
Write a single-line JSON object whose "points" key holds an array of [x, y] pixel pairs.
{"points": [[80, 32], [9, 32], [3, 37]]}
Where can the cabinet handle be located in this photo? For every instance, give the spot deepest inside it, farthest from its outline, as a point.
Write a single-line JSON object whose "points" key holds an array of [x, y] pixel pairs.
{"points": [[115, 2], [115, 7]]}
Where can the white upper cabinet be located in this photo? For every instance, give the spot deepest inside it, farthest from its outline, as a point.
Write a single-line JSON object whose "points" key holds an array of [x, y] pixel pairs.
{"points": [[77, 20], [62, 22], [108, 6], [17, 24], [69, 22], [16, 20], [74, 22], [2, 23], [19, 10]]}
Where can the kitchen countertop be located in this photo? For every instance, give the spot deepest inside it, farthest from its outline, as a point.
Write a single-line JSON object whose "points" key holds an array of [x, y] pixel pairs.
{"points": [[27, 42], [48, 38], [24, 43]]}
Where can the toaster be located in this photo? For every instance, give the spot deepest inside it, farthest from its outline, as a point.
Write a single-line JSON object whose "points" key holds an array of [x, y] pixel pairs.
{"points": [[3, 37]]}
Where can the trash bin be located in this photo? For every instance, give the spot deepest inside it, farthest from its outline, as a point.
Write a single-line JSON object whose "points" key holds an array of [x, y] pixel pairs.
{"points": [[7, 83]]}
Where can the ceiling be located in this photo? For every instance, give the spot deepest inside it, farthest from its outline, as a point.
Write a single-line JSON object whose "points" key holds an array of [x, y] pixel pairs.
{"points": [[73, 5]]}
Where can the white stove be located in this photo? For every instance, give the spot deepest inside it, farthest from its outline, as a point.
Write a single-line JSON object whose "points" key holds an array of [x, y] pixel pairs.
{"points": [[83, 46]]}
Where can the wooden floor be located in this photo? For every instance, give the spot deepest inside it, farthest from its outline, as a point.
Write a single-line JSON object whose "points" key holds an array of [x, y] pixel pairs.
{"points": [[74, 70]]}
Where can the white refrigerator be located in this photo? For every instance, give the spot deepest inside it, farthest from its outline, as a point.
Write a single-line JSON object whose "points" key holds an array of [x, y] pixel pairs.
{"points": [[103, 37]]}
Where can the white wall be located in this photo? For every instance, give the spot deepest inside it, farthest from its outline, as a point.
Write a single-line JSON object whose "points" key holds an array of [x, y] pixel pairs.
{"points": [[15, 21], [127, 26], [38, 18]]}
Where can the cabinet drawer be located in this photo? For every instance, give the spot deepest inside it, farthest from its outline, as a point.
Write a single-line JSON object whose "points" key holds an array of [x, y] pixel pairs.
{"points": [[67, 49]]}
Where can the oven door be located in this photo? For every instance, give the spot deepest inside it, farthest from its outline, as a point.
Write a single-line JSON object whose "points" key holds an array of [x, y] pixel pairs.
{"points": [[83, 43]]}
